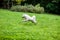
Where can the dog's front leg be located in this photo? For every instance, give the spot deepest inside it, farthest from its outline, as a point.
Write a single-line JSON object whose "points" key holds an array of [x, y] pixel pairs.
{"points": [[25, 20]]}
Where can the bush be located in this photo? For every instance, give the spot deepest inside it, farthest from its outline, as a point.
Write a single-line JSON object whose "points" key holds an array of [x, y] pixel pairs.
{"points": [[19, 8], [39, 9], [28, 8]]}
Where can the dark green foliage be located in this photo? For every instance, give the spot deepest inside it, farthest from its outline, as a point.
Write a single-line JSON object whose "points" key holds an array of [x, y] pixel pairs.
{"points": [[28, 8], [51, 6]]}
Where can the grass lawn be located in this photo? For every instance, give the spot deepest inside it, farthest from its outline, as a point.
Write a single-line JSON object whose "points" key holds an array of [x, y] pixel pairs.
{"points": [[12, 27]]}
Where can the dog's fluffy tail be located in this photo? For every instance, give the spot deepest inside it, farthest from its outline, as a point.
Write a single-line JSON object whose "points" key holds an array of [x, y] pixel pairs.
{"points": [[34, 17]]}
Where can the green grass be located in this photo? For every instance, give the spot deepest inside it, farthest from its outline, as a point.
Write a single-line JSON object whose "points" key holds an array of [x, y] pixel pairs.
{"points": [[12, 27]]}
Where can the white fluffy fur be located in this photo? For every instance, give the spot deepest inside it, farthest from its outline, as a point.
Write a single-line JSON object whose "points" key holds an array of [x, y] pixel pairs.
{"points": [[28, 18]]}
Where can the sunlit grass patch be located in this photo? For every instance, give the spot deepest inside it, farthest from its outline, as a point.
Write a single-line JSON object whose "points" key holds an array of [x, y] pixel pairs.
{"points": [[12, 27]]}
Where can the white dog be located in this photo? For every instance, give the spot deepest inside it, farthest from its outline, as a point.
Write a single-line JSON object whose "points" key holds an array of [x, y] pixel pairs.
{"points": [[28, 18]]}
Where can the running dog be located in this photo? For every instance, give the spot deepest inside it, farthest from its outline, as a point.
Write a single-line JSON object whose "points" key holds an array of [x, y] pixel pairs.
{"points": [[29, 18]]}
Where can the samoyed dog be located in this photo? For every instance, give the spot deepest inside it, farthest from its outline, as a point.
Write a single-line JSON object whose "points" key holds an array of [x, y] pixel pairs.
{"points": [[29, 18]]}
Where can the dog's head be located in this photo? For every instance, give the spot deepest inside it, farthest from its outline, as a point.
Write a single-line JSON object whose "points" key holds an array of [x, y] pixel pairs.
{"points": [[25, 15]]}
